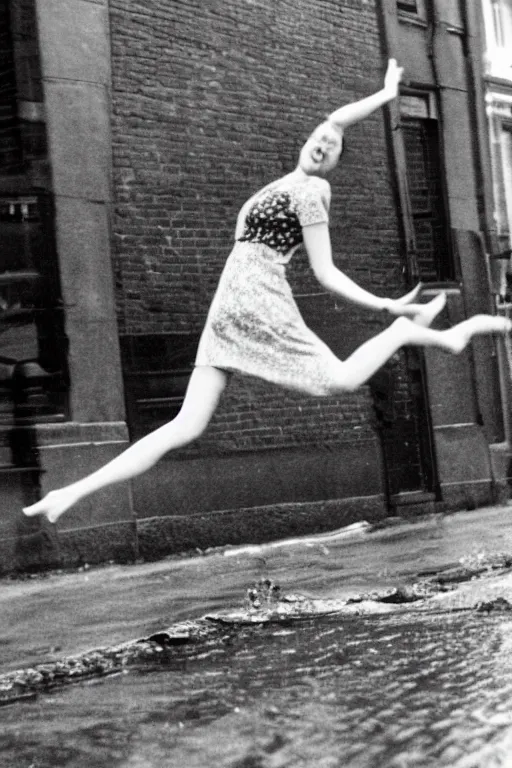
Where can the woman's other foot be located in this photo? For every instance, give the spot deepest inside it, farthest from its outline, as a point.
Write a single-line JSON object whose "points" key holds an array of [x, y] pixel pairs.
{"points": [[460, 335], [54, 504], [427, 313]]}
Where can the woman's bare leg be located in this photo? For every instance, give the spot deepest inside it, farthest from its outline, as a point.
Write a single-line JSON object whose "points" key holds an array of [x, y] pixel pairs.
{"points": [[371, 355], [204, 390]]}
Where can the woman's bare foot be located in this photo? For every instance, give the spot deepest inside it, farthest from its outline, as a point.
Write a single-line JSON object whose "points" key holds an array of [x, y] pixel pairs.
{"points": [[460, 335], [54, 504], [427, 313]]}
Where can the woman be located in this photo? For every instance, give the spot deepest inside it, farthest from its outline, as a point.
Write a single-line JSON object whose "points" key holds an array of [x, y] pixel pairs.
{"points": [[254, 326]]}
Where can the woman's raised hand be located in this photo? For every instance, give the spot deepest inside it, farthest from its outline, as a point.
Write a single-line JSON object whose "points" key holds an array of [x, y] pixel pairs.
{"points": [[421, 314], [394, 306], [410, 297], [392, 78]]}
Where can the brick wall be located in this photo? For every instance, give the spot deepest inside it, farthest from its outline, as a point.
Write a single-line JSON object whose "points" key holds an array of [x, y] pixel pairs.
{"points": [[211, 100]]}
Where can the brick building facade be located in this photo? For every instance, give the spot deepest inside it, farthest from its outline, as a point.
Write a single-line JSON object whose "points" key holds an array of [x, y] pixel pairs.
{"points": [[162, 117], [195, 129]]}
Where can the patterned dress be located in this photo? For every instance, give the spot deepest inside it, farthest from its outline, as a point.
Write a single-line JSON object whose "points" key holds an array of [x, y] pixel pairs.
{"points": [[254, 325]]}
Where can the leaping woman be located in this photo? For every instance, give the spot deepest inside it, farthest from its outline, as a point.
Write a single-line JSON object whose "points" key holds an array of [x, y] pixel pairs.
{"points": [[254, 326]]}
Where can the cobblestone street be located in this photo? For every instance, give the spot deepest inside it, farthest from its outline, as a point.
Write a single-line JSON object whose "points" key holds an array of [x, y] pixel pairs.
{"points": [[425, 683]]}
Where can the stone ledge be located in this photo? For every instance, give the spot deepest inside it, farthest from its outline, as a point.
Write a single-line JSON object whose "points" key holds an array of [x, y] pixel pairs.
{"points": [[160, 536], [467, 495], [45, 548], [72, 432]]}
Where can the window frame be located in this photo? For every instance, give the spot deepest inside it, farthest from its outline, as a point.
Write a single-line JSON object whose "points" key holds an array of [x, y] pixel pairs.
{"points": [[498, 38], [418, 13]]}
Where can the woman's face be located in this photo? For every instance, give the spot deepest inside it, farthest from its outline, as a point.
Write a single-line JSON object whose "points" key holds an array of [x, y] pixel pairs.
{"points": [[321, 152]]}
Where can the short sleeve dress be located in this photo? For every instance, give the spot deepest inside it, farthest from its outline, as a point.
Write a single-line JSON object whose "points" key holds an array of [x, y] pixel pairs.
{"points": [[254, 325]]}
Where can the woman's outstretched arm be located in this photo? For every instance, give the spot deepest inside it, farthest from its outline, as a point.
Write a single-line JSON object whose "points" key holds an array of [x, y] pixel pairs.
{"points": [[317, 242], [352, 113]]}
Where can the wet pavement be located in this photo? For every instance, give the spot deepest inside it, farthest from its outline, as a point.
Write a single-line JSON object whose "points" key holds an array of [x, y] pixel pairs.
{"points": [[422, 684]]}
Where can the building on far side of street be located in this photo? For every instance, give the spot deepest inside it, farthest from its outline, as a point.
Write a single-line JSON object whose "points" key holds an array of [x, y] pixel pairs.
{"points": [[494, 85], [497, 16]]}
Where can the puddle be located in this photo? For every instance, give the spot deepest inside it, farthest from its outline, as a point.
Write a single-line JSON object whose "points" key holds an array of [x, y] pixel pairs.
{"points": [[394, 690], [404, 688]]}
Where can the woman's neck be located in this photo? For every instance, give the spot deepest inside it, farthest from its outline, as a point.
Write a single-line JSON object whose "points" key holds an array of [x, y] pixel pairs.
{"points": [[299, 174]]}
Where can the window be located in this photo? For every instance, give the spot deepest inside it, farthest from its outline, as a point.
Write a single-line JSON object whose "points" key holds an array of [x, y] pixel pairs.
{"points": [[505, 225], [32, 340], [410, 9], [432, 249], [10, 140], [408, 6], [502, 15], [499, 113], [498, 34], [506, 155]]}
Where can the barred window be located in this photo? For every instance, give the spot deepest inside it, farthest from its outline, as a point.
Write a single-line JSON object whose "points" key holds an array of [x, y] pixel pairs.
{"points": [[10, 137], [424, 171]]}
